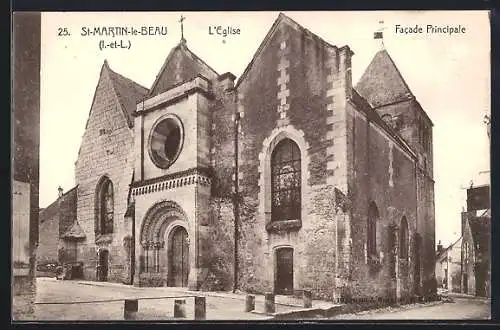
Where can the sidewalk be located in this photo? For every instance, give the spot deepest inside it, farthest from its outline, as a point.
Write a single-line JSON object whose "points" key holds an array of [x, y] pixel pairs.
{"points": [[463, 295]]}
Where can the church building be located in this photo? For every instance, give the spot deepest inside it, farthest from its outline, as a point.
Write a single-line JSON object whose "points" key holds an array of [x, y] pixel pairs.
{"points": [[330, 184]]}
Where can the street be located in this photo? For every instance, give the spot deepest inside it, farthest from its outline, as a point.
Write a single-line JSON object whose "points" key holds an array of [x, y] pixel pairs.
{"points": [[460, 309], [70, 293], [81, 300]]}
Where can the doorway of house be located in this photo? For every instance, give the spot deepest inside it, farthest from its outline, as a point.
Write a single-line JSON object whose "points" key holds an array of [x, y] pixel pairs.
{"points": [[178, 265], [283, 282], [102, 266], [465, 282]]}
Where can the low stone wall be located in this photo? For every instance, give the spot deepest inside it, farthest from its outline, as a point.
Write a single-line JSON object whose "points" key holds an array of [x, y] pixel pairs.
{"points": [[151, 280], [23, 297]]}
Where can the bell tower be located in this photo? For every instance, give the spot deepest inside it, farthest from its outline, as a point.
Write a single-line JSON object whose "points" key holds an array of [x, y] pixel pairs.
{"points": [[172, 177]]}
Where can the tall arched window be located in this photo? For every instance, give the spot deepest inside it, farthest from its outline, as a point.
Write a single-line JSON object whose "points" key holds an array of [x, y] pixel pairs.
{"points": [[371, 237], [286, 181], [403, 239], [105, 207]]}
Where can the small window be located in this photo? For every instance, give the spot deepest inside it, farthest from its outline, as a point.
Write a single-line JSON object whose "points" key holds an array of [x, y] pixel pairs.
{"points": [[403, 239], [371, 238]]}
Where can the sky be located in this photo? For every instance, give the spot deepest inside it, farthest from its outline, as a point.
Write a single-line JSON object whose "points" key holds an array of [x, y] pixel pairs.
{"points": [[448, 74]]}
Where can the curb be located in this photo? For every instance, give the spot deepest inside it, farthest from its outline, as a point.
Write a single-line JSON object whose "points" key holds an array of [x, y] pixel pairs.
{"points": [[309, 313], [395, 309]]}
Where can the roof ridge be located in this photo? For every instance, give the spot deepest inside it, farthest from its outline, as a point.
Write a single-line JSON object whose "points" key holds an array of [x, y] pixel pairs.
{"points": [[120, 76], [132, 88], [379, 121], [199, 58]]}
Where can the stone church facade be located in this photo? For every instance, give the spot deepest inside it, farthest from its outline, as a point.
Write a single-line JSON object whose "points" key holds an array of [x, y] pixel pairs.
{"points": [[331, 184]]}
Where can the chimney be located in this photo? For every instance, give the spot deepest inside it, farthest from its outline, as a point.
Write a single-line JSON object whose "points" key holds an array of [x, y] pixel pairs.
{"points": [[464, 221], [345, 55], [227, 81], [439, 247], [60, 190]]}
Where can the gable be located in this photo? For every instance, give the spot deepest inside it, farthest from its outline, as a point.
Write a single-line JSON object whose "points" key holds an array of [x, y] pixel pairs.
{"points": [[282, 23], [382, 83], [114, 101], [181, 65]]}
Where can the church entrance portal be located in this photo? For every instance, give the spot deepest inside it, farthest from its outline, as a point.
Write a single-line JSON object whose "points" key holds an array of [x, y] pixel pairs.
{"points": [[178, 258], [283, 283], [164, 257]]}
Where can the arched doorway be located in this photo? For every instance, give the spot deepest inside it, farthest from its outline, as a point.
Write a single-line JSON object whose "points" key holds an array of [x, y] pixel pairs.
{"points": [[283, 278], [102, 266], [164, 239], [178, 257]]}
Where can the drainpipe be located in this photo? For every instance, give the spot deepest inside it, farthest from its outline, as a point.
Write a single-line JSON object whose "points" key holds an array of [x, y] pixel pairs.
{"points": [[236, 202]]}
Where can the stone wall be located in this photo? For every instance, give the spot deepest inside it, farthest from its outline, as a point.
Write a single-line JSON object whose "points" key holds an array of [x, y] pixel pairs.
{"points": [[468, 281], [48, 240], [106, 150], [385, 174], [217, 263], [25, 146], [286, 94]]}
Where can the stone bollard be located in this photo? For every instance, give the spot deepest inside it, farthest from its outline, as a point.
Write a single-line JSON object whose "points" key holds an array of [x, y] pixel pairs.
{"points": [[180, 308], [269, 303], [130, 309], [200, 308], [307, 297], [250, 303]]}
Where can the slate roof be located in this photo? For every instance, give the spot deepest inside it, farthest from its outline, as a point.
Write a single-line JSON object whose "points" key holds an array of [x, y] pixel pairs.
{"points": [[129, 93], [382, 83], [180, 65], [53, 209], [363, 106], [443, 252]]}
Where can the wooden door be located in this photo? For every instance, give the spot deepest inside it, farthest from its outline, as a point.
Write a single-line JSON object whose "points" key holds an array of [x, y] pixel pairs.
{"points": [[103, 265], [179, 258], [284, 271]]}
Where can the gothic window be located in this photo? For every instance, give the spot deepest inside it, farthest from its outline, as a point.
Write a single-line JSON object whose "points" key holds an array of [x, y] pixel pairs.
{"points": [[105, 208], [403, 239], [286, 181], [371, 238]]}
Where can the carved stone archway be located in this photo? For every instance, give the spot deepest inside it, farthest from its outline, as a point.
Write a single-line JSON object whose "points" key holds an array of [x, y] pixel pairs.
{"points": [[159, 220]]}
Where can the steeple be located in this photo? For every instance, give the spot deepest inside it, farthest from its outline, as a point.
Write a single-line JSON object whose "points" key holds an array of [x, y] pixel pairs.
{"points": [[382, 83]]}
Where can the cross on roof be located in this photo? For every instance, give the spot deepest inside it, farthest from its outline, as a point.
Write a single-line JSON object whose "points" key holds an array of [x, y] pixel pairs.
{"points": [[181, 20], [380, 34]]}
